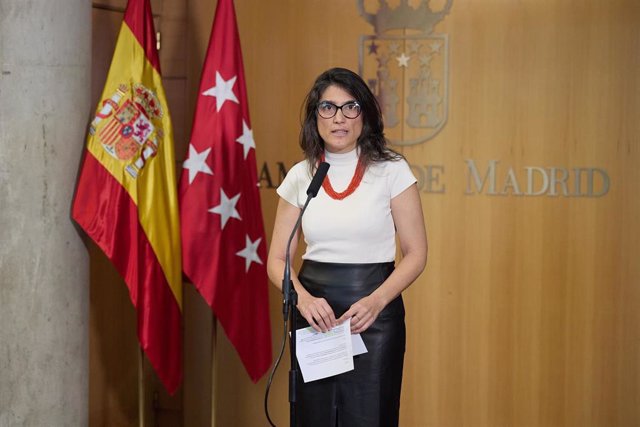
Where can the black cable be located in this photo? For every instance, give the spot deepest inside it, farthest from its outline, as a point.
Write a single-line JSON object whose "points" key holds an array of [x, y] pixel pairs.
{"points": [[273, 371]]}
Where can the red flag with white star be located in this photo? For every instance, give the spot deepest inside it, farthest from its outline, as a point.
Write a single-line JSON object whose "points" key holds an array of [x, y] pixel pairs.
{"points": [[224, 246]]}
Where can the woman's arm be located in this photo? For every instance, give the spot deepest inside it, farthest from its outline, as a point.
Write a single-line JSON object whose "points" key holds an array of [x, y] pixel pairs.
{"points": [[406, 209], [315, 310]]}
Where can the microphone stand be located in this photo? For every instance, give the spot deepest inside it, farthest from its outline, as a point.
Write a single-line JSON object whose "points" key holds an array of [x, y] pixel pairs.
{"points": [[288, 311], [291, 297]]}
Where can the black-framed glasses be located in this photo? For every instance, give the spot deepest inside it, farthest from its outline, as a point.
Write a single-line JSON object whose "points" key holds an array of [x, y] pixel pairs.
{"points": [[350, 110]]}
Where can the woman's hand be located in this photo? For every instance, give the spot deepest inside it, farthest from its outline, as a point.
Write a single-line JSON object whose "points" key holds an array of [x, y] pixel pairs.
{"points": [[317, 311], [363, 313]]}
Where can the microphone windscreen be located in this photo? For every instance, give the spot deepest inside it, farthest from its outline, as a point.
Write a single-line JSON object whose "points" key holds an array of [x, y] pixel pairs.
{"points": [[316, 182]]}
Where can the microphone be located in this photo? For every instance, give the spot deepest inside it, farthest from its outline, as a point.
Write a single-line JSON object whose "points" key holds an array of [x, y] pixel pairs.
{"points": [[312, 192], [316, 182]]}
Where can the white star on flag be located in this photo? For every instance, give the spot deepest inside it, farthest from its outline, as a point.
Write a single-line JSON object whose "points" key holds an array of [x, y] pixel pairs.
{"points": [[227, 208], [246, 139], [250, 252], [196, 162], [403, 60], [223, 91]]}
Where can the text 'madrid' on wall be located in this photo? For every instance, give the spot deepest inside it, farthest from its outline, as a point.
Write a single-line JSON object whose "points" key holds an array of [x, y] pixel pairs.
{"points": [[490, 178], [405, 62]]}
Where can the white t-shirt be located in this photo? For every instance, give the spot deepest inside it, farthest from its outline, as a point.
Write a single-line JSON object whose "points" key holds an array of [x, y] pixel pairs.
{"points": [[359, 228]]}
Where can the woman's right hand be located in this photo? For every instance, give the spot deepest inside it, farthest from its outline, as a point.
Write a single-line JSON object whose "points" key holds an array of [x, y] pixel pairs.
{"points": [[317, 312]]}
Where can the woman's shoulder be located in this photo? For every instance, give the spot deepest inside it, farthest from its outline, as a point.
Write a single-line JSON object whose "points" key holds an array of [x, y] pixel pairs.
{"points": [[296, 179], [300, 168], [396, 173], [392, 165], [298, 172]]}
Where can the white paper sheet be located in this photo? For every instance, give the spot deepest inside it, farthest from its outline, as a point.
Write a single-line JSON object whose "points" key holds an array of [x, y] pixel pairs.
{"points": [[322, 355], [358, 345]]}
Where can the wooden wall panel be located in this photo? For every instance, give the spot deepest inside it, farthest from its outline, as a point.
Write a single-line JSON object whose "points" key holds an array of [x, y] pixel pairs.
{"points": [[528, 311]]}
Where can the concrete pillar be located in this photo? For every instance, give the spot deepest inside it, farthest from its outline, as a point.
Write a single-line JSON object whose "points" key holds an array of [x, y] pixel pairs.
{"points": [[45, 58]]}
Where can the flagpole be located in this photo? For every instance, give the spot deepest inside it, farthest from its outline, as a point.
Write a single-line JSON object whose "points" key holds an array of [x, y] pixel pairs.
{"points": [[214, 334], [141, 400]]}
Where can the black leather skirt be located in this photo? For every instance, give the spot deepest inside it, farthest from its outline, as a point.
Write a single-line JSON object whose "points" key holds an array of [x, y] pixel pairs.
{"points": [[368, 396]]}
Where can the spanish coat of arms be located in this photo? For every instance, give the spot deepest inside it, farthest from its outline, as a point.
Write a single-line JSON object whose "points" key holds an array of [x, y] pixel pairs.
{"points": [[128, 125]]}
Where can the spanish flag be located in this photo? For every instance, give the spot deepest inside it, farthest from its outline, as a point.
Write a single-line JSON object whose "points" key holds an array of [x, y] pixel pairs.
{"points": [[126, 197]]}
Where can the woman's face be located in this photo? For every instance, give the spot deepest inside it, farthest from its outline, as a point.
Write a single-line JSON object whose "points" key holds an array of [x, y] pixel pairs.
{"points": [[340, 134]]}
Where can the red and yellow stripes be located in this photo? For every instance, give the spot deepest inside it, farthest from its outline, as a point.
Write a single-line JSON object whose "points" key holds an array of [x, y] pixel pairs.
{"points": [[110, 217], [134, 217]]}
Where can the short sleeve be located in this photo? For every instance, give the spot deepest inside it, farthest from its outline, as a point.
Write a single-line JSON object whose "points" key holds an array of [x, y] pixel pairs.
{"points": [[290, 187], [400, 177]]}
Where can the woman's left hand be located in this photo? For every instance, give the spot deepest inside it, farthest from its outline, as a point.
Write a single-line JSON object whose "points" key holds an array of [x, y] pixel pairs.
{"points": [[363, 313]]}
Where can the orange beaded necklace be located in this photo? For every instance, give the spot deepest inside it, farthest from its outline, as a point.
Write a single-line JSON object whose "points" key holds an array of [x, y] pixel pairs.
{"points": [[353, 185]]}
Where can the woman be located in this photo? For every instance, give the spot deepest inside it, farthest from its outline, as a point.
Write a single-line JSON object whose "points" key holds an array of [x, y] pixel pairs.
{"points": [[368, 197]]}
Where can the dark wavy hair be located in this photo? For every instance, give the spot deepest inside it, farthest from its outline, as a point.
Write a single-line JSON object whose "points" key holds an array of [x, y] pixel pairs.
{"points": [[372, 142]]}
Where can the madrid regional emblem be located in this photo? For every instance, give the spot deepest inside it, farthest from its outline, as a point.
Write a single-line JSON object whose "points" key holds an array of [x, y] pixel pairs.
{"points": [[129, 126], [406, 66]]}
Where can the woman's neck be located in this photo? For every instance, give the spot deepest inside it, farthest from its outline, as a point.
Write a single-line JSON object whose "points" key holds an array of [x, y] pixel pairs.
{"points": [[341, 158]]}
